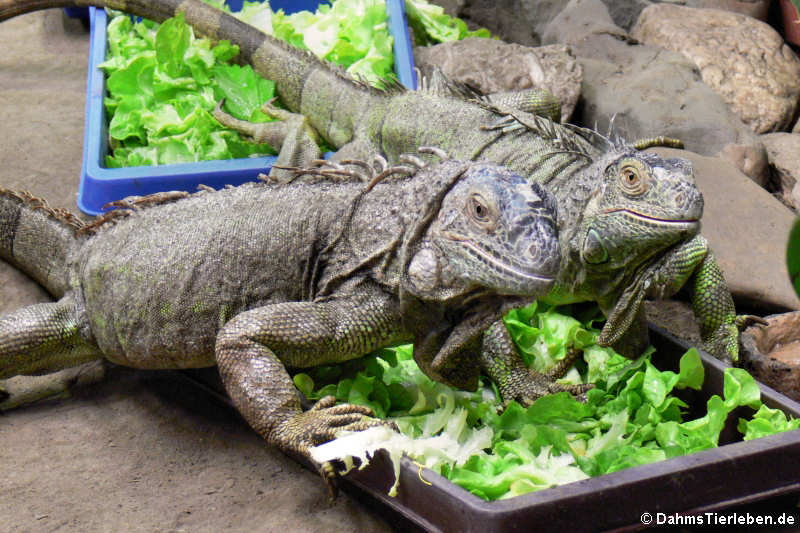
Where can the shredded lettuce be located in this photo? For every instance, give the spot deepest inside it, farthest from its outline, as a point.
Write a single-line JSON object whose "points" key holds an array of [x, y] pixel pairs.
{"points": [[631, 417], [351, 33], [163, 84]]}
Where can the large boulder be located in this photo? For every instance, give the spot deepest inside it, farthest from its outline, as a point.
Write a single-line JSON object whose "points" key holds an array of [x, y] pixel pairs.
{"points": [[518, 21], [648, 91], [493, 66], [651, 92], [744, 60], [579, 19], [748, 229]]}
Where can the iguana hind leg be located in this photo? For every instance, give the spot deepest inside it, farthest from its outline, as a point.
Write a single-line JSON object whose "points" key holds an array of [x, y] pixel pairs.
{"points": [[43, 338], [535, 101], [503, 364], [291, 135], [254, 346]]}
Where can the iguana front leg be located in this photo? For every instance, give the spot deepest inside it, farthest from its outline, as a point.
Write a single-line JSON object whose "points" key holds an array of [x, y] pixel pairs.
{"points": [[692, 264], [501, 361], [713, 306], [254, 348]]}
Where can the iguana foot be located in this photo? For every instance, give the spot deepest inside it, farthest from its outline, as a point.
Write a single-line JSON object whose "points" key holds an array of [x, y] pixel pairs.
{"points": [[25, 390], [529, 388], [526, 386], [515, 381], [724, 342], [278, 113], [321, 424]]}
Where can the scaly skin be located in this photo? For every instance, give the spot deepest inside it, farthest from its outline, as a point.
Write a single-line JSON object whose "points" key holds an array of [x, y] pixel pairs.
{"points": [[360, 121], [262, 277]]}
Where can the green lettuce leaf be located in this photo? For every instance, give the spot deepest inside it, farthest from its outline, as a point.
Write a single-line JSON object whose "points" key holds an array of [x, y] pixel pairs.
{"points": [[163, 84], [766, 422], [432, 25], [631, 418], [351, 33]]}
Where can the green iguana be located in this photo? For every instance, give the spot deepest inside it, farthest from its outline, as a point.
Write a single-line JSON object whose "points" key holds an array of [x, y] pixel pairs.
{"points": [[643, 243], [266, 276]]}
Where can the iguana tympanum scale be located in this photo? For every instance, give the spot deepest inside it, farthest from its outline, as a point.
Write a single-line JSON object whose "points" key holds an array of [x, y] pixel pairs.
{"points": [[268, 276], [577, 165]]}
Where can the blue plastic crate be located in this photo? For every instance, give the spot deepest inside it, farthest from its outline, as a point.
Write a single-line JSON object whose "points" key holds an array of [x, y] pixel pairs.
{"points": [[100, 185], [77, 12]]}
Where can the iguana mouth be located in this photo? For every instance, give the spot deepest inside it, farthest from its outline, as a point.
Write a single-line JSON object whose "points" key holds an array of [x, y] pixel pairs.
{"points": [[498, 266], [642, 216]]}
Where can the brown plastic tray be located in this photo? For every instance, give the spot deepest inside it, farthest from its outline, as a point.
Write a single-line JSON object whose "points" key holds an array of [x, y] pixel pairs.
{"points": [[733, 474]]}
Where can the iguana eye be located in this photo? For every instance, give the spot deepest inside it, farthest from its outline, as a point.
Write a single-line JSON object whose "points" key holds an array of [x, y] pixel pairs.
{"points": [[479, 210], [631, 180]]}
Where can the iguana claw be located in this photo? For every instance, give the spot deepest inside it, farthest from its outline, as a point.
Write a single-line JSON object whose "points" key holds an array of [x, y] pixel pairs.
{"points": [[320, 424], [742, 321]]}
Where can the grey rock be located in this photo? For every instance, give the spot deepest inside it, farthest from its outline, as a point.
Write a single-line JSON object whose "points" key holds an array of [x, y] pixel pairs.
{"points": [[649, 91], [518, 21], [751, 159], [579, 19], [492, 66], [795, 197], [625, 12], [742, 59], [676, 317], [783, 150], [747, 228]]}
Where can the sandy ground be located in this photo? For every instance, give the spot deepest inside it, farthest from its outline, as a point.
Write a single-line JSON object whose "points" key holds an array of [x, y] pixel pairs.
{"points": [[140, 451]]}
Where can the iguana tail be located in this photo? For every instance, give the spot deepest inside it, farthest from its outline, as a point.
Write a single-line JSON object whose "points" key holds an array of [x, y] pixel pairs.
{"points": [[304, 83], [36, 238]]}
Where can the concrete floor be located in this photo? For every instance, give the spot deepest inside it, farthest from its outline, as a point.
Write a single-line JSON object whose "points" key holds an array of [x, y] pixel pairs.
{"points": [[140, 451]]}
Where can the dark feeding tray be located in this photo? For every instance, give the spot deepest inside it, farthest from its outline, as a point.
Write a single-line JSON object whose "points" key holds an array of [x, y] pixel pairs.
{"points": [[733, 474]]}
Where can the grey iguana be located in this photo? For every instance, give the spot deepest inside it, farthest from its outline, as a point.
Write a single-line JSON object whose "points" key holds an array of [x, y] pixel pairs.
{"points": [[629, 220], [266, 276]]}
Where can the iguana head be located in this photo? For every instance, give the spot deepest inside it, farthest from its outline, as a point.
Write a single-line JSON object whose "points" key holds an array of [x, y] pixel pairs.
{"points": [[494, 230], [643, 204]]}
